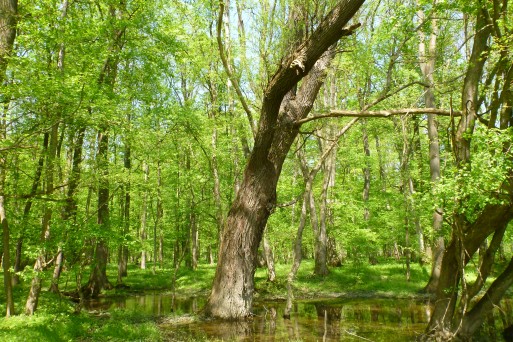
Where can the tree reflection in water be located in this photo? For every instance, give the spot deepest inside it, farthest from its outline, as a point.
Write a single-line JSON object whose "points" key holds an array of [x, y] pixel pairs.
{"points": [[326, 320]]}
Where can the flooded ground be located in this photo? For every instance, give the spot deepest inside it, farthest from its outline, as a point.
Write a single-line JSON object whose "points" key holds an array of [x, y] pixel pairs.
{"points": [[364, 319]]}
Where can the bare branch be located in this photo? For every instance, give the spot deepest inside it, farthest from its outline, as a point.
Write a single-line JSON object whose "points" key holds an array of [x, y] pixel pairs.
{"points": [[229, 72], [379, 113]]}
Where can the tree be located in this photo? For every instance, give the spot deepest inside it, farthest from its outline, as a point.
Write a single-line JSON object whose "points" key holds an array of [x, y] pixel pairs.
{"points": [[232, 290], [456, 314], [8, 22], [427, 60]]}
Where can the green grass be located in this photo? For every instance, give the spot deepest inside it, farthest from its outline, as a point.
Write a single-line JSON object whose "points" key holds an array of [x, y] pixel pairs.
{"points": [[55, 319], [352, 279]]}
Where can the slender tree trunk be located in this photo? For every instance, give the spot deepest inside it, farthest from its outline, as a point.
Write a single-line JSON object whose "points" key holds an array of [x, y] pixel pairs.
{"points": [[28, 206], [123, 248], [144, 214], [297, 253], [269, 260], [59, 258], [98, 279], [35, 287], [366, 172], [57, 270], [6, 256], [8, 22], [194, 235], [309, 177], [427, 65], [157, 229]]}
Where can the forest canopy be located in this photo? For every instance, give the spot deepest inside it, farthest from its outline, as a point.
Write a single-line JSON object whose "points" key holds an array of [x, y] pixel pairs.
{"points": [[187, 132]]}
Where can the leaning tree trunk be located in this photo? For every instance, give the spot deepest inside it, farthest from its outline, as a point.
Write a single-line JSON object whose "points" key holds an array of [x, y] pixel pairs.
{"points": [[231, 296]]}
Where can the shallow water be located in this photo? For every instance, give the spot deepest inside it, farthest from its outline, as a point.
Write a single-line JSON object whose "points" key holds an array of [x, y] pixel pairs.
{"points": [[366, 319]]}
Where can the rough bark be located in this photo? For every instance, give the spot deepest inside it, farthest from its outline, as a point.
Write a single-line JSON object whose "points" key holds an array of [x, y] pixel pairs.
{"points": [[231, 296]]}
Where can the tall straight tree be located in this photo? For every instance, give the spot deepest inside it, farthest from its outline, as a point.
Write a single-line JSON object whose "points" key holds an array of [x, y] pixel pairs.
{"points": [[98, 279], [231, 296], [427, 58], [35, 287], [8, 21]]}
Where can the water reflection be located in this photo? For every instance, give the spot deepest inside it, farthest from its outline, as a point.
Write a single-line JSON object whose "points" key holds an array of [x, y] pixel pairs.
{"points": [[326, 320]]}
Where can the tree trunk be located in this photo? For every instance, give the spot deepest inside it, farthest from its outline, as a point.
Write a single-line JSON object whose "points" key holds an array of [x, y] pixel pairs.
{"points": [[6, 257], [98, 279], [8, 22], [35, 287], [194, 238], [123, 248], [269, 260], [59, 263], [427, 66], [28, 205], [157, 229], [144, 214], [452, 264], [297, 256], [232, 291], [366, 173]]}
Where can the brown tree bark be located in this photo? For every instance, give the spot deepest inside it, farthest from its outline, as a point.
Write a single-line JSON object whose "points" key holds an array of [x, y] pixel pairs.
{"points": [[231, 296]]}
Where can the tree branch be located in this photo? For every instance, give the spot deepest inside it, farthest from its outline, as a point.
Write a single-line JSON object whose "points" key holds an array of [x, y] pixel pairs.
{"points": [[229, 72], [379, 113]]}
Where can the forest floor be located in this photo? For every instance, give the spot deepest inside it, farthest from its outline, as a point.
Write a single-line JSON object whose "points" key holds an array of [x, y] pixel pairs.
{"points": [[56, 320]]}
